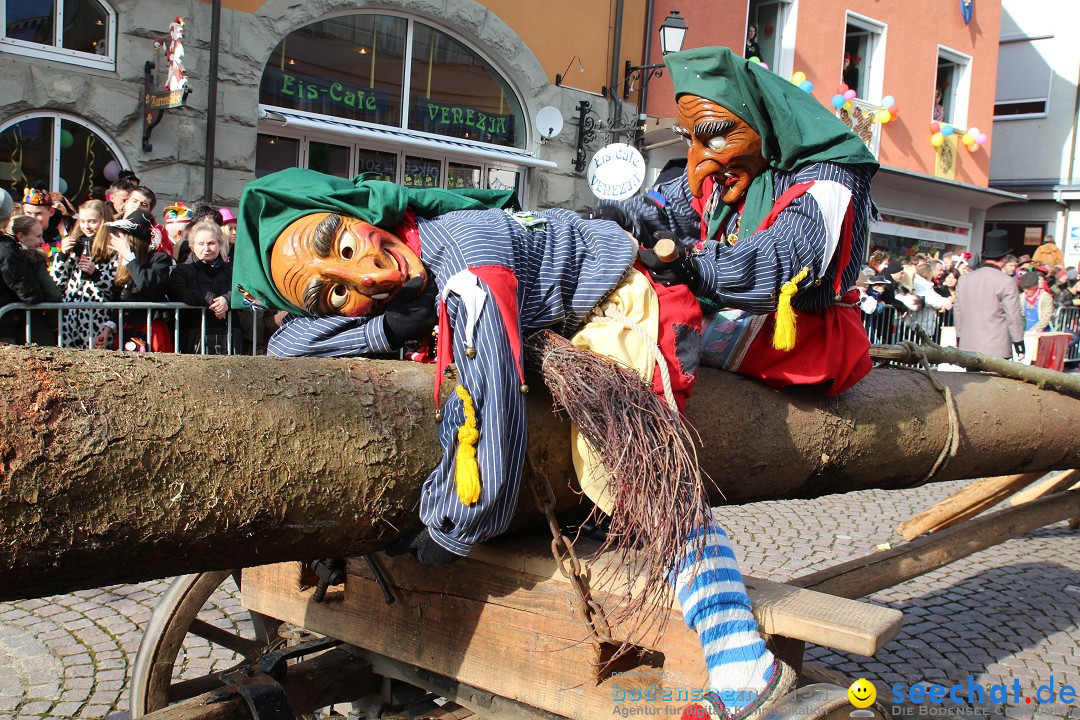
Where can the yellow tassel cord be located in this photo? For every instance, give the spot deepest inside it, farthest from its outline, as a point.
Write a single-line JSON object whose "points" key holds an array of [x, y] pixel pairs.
{"points": [[784, 331], [466, 470]]}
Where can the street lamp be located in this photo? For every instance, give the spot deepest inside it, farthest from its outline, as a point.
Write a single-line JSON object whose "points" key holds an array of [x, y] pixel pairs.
{"points": [[672, 32]]}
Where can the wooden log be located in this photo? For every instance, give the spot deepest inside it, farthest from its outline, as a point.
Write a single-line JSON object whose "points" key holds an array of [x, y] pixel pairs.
{"points": [[117, 467], [877, 571], [965, 503], [1056, 482]]}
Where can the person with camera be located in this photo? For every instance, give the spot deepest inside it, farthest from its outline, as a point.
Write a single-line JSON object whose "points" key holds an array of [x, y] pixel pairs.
{"points": [[204, 280], [85, 269]]}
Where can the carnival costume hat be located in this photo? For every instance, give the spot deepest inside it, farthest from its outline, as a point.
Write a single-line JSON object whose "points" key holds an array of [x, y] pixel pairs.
{"points": [[178, 212], [139, 223], [37, 195], [995, 245], [795, 128], [227, 216], [271, 203]]}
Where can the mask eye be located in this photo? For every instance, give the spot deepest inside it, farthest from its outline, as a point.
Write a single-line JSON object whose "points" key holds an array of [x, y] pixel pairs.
{"points": [[347, 245], [717, 143], [338, 296]]}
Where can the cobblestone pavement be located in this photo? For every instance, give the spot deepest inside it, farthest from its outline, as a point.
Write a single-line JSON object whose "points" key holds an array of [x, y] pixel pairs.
{"points": [[1009, 612]]}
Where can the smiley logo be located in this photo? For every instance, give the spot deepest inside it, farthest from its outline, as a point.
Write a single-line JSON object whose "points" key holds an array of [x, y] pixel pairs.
{"points": [[862, 693]]}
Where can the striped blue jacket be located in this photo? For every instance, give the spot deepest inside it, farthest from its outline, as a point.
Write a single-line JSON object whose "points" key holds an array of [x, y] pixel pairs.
{"points": [[563, 269], [748, 275]]}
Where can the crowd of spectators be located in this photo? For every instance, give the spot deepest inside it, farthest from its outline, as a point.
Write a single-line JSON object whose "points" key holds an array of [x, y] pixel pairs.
{"points": [[922, 289], [114, 248]]}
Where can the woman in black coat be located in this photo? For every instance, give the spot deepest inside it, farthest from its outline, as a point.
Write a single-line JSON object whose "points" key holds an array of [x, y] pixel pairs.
{"points": [[142, 276], [205, 280]]}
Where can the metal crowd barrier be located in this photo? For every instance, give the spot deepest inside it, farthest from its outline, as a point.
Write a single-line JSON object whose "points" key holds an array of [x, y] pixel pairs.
{"points": [[1067, 319], [150, 308]]}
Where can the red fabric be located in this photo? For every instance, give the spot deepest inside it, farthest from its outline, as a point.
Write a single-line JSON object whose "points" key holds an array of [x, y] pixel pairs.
{"points": [[409, 231], [502, 285], [161, 337], [698, 204], [832, 350], [782, 202], [444, 350], [678, 307]]}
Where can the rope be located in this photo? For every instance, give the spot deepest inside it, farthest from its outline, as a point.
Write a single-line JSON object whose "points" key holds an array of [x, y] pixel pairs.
{"points": [[952, 441], [661, 362]]}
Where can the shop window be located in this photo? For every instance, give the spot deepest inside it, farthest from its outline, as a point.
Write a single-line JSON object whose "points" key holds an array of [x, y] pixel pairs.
{"points": [[863, 64], [952, 86], [65, 153], [328, 158], [274, 152], [391, 70], [82, 32], [459, 175], [381, 165], [500, 179], [1024, 77], [422, 172]]}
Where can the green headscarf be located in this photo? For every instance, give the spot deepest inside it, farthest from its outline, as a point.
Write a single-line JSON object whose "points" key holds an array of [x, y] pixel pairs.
{"points": [[795, 128], [270, 203]]}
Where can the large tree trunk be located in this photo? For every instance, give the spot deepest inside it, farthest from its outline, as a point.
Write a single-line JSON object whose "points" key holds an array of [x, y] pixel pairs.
{"points": [[117, 467]]}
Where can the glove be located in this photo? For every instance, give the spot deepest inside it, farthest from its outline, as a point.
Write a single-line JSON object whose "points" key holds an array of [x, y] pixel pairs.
{"points": [[676, 272], [411, 314], [1019, 348], [645, 227], [422, 547]]}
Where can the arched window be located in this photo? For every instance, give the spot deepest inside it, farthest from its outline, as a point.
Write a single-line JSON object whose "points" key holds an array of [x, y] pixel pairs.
{"points": [[82, 32], [66, 153], [388, 94]]}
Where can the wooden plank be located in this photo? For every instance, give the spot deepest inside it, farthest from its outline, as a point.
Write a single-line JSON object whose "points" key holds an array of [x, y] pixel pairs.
{"points": [[877, 571], [968, 502], [1054, 483], [780, 609]]}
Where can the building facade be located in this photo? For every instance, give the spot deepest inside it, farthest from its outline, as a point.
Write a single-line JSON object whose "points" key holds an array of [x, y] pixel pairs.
{"points": [[1037, 106], [428, 92], [932, 197]]}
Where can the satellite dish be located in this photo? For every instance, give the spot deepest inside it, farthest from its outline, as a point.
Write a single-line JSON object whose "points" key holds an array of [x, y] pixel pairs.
{"points": [[549, 122]]}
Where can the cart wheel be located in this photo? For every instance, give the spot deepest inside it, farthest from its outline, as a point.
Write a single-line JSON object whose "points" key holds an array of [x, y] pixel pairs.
{"points": [[153, 683]]}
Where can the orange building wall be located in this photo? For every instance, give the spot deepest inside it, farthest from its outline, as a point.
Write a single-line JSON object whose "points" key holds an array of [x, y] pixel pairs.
{"points": [[915, 29]]}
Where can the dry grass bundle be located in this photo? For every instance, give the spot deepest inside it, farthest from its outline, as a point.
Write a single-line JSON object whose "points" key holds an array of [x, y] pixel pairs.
{"points": [[649, 450]]}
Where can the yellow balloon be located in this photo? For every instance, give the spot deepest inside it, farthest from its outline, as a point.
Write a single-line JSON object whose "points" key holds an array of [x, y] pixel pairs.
{"points": [[937, 139], [968, 139], [848, 104], [798, 77], [883, 116]]}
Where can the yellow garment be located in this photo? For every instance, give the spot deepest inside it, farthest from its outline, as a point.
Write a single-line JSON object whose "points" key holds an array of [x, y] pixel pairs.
{"points": [[634, 298], [466, 469], [784, 330]]}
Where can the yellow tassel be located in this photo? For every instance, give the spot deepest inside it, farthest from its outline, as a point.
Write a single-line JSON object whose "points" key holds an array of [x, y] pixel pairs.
{"points": [[784, 331], [466, 470]]}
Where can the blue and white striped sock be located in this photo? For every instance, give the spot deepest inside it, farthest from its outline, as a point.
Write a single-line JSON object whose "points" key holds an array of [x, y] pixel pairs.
{"points": [[715, 605]]}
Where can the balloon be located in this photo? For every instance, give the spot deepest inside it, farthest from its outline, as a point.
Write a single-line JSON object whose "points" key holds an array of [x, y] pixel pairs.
{"points": [[838, 101], [974, 131], [937, 139], [61, 184], [883, 115], [888, 101], [947, 129], [935, 127], [111, 171], [973, 146], [981, 139], [764, 65], [843, 88], [66, 139], [968, 139], [807, 86], [755, 59], [849, 95], [894, 110], [798, 77], [848, 104]]}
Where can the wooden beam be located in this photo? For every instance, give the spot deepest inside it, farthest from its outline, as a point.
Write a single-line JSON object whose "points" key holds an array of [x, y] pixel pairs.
{"points": [[877, 571], [1055, 483], [966, 503]]}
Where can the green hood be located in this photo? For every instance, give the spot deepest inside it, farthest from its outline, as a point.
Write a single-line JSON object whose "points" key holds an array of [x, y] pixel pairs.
{"points": [[795, 128], [269, 204]]}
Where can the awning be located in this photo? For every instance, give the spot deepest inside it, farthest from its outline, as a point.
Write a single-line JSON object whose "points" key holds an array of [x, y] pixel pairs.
{"points": [[452, 147]]}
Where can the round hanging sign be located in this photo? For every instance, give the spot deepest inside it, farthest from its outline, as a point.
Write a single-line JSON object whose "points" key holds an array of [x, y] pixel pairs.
{"points": [[616, 172]]}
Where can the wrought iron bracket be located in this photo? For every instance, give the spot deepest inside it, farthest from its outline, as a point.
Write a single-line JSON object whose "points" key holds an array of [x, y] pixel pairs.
{"points": [[643, 73], [586, 133]]}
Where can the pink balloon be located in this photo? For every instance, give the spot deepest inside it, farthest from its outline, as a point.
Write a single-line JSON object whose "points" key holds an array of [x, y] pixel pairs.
{"points": [[111, 171], [981, 138], [849, 95]]}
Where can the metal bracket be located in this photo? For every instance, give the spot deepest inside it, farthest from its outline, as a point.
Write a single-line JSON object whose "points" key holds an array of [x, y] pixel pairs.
{"points": [[586, 133], [264, 695], [644, 73]]}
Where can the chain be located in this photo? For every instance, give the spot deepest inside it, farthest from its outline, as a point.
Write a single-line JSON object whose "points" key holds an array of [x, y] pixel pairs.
{"points": [[562, 549]]}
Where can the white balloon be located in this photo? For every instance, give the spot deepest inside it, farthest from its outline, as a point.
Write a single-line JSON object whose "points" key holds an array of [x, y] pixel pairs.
{"points": [[111, 171]]}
